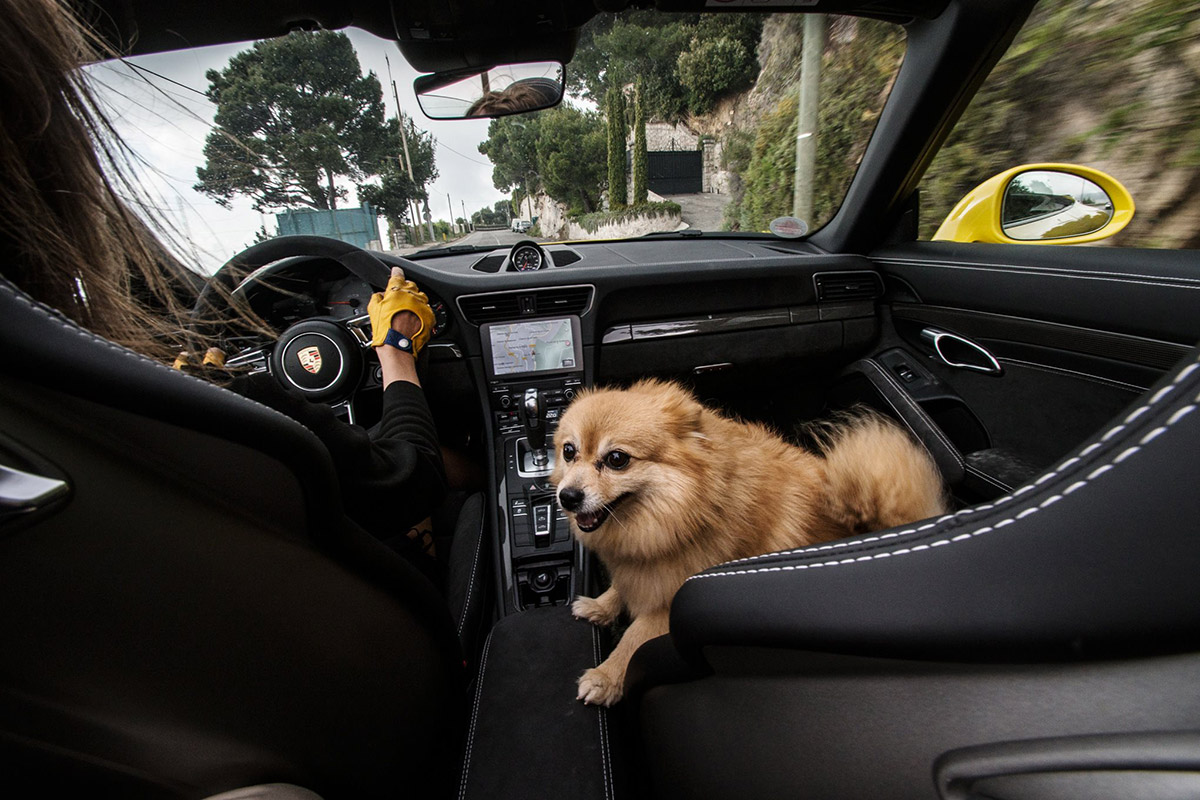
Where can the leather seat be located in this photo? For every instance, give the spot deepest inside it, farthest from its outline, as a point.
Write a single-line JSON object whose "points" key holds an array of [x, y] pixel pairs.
{"points": [[1042, 635], [194, 612]]}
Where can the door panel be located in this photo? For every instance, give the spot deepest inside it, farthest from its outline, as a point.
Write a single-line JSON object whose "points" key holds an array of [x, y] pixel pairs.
{"points": [[1079, 332]]}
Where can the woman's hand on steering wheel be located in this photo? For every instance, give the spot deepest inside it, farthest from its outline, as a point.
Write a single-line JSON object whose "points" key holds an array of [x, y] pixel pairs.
{"points": [[401, 324]]}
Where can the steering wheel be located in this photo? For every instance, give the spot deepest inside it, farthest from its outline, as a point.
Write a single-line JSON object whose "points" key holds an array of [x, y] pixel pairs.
{"points": [[324, 359]]}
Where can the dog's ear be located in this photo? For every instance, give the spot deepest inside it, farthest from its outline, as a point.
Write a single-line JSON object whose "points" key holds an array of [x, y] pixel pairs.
{"points": [[681, 409]]}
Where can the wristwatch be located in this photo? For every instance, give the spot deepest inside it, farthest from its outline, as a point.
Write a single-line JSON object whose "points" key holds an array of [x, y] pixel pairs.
{"points": [[399, 341]]}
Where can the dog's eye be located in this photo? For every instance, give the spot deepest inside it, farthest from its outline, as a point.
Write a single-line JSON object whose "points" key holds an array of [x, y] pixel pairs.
{"points": [[617, 459], [568, 452]]}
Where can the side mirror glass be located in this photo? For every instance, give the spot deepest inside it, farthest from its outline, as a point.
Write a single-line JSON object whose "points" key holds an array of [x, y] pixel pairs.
{"points": [[497, 92], [1047, 204]]}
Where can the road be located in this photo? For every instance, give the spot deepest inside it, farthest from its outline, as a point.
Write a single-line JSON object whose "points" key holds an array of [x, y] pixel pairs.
{"points": [[702, 212], [502, 238]]}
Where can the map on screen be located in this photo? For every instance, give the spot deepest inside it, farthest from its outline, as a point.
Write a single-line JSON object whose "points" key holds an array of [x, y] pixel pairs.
{"points": [[532, 346]]}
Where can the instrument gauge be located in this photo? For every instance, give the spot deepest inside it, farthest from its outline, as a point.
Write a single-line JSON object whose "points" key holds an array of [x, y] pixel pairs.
{"points": [[527, 258]]}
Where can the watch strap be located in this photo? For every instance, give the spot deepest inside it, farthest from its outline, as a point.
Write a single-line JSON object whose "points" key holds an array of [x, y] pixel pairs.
{"points": [[399, 341]]}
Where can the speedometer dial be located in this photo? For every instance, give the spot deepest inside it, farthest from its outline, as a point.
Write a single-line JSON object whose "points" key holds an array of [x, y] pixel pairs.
{"points": [[527, 258]]}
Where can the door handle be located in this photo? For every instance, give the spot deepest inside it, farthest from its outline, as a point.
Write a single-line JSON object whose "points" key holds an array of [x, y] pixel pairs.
{"points": [[23, 492], [960, 352]]}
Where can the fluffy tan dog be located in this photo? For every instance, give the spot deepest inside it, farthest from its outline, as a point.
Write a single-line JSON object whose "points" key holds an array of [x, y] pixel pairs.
{"points": [[660, 487]]}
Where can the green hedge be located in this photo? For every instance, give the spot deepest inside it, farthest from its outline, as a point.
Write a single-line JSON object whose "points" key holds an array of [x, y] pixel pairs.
{"points": [[594, 221]]}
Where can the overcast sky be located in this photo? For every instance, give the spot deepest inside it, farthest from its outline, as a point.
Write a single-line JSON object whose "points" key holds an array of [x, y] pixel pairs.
{"points": [[165, 125]]}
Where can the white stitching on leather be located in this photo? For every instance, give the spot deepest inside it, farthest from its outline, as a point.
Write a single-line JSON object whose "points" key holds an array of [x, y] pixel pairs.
{"points": [[603, 717], [961, 537], [1178, 415], [471, 578], [462, 784], [1051, 272]]}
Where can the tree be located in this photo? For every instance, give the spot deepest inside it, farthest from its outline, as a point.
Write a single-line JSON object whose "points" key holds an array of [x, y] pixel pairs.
{"points": [[648, 45], [571, 157], [561, 150], [712, 68], [294, 115], [614, 120], [394, 191], [512, 148], [640, 158]]}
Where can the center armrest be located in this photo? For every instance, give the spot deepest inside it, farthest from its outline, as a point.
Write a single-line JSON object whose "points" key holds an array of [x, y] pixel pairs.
{"points": [[528, 736]]}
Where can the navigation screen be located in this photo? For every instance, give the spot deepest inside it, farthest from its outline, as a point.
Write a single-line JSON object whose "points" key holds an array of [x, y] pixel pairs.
{"points": [[535, 346]]}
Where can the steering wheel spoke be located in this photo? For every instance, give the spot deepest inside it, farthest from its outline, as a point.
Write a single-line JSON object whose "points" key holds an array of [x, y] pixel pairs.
{"points": [[361, 328]]}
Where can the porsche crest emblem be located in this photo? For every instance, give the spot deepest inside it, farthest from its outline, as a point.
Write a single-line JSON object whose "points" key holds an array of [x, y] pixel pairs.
{"points": [[310, 359]]}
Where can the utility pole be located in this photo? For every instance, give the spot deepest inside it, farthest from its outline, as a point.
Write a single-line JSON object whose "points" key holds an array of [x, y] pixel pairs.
{"points": [[466, 219], [451, 204], [806, 128], [404, 139]]}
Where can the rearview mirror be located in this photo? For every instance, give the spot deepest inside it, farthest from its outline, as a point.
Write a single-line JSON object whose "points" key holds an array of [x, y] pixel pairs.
{"points": [[1040, 204], [497, 92]]}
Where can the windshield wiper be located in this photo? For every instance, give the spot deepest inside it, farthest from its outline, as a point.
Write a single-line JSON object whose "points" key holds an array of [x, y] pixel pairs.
{"points": [[688, 232]]}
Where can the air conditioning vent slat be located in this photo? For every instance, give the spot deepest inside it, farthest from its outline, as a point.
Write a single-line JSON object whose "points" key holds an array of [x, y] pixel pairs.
{"points": [[479, 309], [840, 287]]}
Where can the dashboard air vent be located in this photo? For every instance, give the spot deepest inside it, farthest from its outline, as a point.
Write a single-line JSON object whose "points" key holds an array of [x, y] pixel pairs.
{"points": [[840, 287], [495, 306], [489, 263], [568, 300], [481, 308]]}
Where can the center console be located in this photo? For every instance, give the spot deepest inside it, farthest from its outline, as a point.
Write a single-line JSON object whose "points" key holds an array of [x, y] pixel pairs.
{"points": [[533, 368]]}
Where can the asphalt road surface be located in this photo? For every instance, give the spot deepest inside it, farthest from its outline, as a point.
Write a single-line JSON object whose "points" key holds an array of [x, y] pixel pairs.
{"points": [[491, 238], [502, 238]]}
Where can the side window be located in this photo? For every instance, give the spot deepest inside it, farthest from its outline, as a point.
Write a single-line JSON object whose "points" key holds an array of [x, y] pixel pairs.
{"points": [[1114, 87]]}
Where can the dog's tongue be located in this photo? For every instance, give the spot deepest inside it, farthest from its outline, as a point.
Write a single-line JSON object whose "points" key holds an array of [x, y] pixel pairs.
{"points": [[587, 520]]}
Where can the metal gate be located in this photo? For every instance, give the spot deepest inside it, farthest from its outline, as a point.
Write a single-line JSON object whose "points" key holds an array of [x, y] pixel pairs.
{"points": [[675, 171]]}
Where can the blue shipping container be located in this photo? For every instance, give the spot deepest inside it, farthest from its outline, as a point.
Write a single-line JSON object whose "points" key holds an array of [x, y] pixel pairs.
{"points": [[358, 226]]}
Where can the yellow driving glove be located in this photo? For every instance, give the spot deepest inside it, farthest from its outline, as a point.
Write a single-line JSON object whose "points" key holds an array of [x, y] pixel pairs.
{"points": [[400, 295]]}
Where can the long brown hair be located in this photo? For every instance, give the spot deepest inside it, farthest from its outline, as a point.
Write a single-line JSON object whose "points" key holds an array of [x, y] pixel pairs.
{"points": [[67, 236]]}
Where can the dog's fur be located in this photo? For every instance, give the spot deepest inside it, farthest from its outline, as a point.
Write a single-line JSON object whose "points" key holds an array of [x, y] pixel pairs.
{"points": [[700, 488]]}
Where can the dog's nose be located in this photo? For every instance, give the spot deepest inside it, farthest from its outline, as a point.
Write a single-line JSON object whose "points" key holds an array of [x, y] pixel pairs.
{"points": [[570, 498]]}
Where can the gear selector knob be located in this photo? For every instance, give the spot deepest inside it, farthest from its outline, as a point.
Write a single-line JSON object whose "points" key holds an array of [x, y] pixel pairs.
{"points": [[535, 426]]}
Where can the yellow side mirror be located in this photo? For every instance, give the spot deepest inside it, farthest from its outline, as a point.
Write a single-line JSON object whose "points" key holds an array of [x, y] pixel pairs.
{"points": [[1040, 204]]}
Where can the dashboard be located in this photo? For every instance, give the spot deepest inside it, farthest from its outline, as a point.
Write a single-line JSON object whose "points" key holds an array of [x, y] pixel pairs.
{"points": [[724, 311]]}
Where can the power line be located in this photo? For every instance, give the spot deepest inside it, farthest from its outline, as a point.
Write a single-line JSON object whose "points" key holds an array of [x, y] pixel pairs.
{"points": [[460, 155], [140, 68]]}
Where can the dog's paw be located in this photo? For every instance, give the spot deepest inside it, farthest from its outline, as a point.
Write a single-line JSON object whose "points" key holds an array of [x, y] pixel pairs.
{"points": [[593, 611], [598, 689]]}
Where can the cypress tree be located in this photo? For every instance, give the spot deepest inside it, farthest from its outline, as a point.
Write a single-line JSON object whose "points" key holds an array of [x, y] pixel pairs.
{"points": [[639, 146], [614, 113]]}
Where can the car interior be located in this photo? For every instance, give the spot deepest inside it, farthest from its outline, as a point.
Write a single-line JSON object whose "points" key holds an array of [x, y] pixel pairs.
{"points": [[188, 611]]}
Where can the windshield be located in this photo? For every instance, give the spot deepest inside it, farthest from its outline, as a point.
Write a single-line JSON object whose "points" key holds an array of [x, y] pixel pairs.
{"points": [[670, 123]]}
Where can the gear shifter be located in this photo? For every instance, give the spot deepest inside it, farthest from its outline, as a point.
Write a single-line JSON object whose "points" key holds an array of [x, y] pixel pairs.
{"points": [[535, 428]]}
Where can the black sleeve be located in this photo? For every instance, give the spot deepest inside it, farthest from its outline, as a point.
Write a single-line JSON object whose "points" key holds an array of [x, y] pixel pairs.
{"points": [[392, 476]]}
